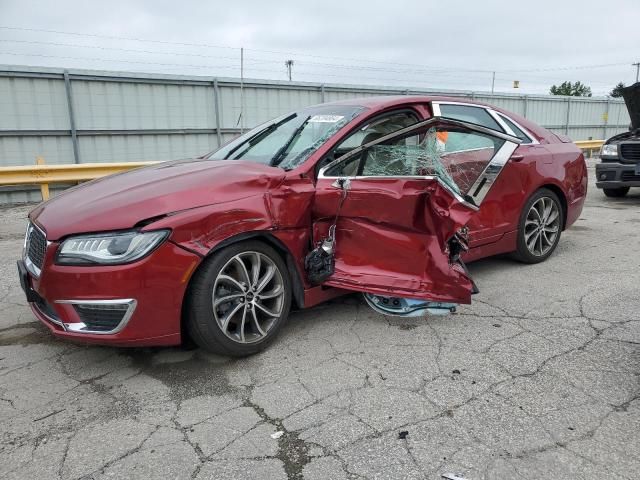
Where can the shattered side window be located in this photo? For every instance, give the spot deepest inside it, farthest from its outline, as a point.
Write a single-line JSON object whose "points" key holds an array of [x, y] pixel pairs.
{"points": [[418, 155], [457, 156]]}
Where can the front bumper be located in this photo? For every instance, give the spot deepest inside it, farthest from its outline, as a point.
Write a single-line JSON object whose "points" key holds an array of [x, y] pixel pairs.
{"points": [[617, 175], [142, 300]]}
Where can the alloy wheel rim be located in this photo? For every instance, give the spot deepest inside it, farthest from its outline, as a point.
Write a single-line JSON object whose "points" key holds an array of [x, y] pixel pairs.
{"points": [[542, 226], [248, 297]]}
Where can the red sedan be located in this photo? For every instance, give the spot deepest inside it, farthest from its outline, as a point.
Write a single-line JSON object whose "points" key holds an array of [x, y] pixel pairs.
{"points": [[383, 196]]}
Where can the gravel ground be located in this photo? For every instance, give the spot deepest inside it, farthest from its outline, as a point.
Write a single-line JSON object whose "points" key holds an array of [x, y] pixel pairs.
{"points": [[538, 379]]}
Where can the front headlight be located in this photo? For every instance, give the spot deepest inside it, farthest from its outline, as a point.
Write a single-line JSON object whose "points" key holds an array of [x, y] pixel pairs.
{"points": [[109, 248], [609, 151]]}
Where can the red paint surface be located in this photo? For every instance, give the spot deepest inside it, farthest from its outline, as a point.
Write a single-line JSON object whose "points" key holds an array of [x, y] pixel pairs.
{"points": [[392, 235], [157, 283]]}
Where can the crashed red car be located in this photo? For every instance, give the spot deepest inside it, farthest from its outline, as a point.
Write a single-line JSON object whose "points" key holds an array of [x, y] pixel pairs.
{"points": [[384, 196]]}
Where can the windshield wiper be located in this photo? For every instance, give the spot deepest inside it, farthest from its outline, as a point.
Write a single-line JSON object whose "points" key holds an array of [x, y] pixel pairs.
{"points": [[258, 136], [277, 158]]}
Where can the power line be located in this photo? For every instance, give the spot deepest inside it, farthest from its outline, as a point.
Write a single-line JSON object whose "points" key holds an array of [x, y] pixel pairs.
{"points": [[577, 67], [114, 37], [253, 61], [166, 42], [306, 62], [120, 49], [386, 63], [129, 61]]}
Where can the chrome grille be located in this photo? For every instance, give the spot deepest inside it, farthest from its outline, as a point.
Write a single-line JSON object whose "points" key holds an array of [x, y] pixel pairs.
{"points": [[35, 247]]}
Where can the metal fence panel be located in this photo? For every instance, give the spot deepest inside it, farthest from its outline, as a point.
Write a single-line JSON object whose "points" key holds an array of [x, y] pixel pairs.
{"points": [[134, 106], [130, 148], [33, 104], [547, 112], [16, 150], [122, 116]]}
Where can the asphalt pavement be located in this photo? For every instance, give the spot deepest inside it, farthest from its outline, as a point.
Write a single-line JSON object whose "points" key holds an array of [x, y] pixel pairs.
{"points": [[538, 379]]}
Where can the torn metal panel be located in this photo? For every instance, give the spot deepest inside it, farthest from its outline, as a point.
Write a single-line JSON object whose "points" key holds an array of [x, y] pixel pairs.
{"points": [[411, 193], [290, 203], [392, 237], [406, 307], [201, 229]]}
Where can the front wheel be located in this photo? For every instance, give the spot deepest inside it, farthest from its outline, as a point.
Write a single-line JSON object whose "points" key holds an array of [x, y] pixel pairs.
{"points": [[239, 299], [539, 228], [616, 192]]}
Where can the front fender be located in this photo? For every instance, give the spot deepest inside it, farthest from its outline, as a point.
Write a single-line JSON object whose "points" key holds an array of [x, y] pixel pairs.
{"points": [[200, 229]]}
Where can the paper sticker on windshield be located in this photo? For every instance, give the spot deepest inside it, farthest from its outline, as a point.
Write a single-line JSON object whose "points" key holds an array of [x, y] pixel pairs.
{"points": [[325, 118]]}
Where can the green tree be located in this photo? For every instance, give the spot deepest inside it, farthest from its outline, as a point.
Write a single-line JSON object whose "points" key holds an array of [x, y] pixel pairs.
{"points": [[577, 89], [617, 90]]}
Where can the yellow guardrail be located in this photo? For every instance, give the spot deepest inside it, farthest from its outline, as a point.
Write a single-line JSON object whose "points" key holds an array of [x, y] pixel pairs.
{"points": [[589, 145], [43, 174]]}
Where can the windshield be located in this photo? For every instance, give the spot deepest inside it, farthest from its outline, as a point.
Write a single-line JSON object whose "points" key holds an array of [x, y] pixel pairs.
{"points": [[289, 140]]}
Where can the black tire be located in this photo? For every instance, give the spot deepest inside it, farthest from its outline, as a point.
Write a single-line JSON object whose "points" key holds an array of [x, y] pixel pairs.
{"points": [[616, 192], [523, 253], [201, 323]]}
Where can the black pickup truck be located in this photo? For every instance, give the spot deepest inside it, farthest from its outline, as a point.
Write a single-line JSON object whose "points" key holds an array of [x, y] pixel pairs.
{"points": [[619, 167]]}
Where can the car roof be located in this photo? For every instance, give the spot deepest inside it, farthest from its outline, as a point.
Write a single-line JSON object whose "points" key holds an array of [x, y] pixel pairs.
{"points": [[387, 101], [384, 101]]}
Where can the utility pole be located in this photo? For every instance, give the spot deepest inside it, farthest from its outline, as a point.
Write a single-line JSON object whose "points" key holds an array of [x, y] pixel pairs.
{"points": [[241, 91], [637, 65], [289, 65], [493, 82]]}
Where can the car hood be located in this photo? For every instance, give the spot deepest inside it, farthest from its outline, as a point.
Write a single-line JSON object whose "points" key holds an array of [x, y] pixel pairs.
{"points": [[123, 200], [631, 95]]}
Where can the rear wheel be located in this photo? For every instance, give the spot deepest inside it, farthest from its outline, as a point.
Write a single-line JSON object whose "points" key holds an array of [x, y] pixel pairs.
{"points": [[540, 225], [616, 192], [239, 299]]}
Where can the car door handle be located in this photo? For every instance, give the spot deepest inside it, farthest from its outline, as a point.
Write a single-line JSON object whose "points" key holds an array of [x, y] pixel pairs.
{"points": [[342, 183], [518, 157]]}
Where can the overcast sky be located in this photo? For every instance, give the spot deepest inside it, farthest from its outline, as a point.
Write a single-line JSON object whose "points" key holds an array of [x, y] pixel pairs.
{"points": [[421, 43]]}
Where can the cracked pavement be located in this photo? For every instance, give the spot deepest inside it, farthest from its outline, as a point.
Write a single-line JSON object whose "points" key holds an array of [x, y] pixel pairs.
{"points": [[538, 379]]}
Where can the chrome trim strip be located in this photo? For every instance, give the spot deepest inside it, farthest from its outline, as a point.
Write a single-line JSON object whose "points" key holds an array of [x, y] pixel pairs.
{"points": [[465, 104], [435, 106], [31, 267], [500, 121], [483, 183], [52, 320], [418, 126], [499, 117], [80, 327]]}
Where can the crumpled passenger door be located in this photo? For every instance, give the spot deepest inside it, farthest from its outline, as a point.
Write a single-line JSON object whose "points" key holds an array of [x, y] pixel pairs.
{"points": [[401, 225]]}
